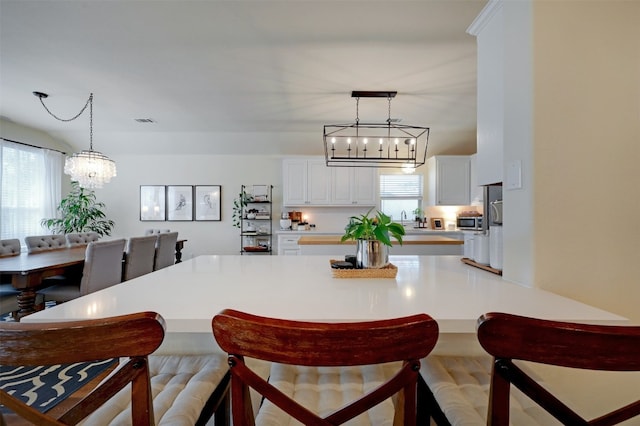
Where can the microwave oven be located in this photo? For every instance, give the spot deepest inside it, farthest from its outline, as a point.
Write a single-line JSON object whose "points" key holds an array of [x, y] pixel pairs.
{"points": [[473, 223]]}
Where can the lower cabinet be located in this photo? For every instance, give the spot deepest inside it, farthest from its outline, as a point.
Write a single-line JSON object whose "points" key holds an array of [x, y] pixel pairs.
{"points": [[288, 245]]}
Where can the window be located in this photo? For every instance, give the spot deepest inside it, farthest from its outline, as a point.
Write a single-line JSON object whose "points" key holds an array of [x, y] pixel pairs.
{"points": [[30, 185], [400, 195]]}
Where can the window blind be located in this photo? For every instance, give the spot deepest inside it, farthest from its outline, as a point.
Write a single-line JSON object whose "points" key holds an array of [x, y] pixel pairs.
{"points": [[401, 186]]}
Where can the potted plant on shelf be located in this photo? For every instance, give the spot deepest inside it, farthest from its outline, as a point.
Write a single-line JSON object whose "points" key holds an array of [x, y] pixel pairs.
{"points": [[80, 212], [373, 238], [238, 207], [418, 214]]}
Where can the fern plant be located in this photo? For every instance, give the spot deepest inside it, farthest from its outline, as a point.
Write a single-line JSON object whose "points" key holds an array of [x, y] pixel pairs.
{"points": [[79, 212]]}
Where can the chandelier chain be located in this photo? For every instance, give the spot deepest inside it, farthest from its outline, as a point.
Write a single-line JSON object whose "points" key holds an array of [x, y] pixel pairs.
{"points": [[357, 110], [89, 101]]}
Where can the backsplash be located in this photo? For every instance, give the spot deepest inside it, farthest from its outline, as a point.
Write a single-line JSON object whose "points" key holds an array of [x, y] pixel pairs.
{"points": [[334, 219]]}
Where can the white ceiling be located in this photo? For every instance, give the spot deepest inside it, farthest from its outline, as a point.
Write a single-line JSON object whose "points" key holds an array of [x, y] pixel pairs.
{"points": [[231, 77]]}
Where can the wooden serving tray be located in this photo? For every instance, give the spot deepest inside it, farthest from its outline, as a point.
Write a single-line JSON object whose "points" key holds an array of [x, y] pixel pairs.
{"points": [[388, 271], [481, 266]]}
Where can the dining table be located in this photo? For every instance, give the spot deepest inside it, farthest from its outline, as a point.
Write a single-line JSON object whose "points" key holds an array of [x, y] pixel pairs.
{"points": [[28, 270], [189, 294]]}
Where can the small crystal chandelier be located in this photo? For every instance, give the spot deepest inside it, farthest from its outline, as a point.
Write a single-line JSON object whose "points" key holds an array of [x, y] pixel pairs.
{"points": [[375, 144], [91, 169]]}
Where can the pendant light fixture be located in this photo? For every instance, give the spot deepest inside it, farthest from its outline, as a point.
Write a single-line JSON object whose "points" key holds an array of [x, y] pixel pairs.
{"points": [[375, 144], [91, 169]]}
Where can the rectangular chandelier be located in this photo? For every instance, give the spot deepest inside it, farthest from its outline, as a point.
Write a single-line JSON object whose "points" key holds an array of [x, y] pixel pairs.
{"points": [[375, 144]]}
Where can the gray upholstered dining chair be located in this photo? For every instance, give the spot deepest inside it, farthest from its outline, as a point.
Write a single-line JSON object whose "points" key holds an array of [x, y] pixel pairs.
{"points": [[39, 243], [139, 256], [81, 238], [8, 294], [9, 247], [42, 243], [102, 269], [102, 265], [154, 231], [165, 250]]}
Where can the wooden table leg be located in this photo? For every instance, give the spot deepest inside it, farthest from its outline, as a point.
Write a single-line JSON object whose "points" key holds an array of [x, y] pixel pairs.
{"points": [[26, 303], [179, 247]]}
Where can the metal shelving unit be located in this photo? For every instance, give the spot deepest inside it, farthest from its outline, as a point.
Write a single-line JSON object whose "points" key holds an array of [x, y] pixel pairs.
{"points": [[256, 225]]}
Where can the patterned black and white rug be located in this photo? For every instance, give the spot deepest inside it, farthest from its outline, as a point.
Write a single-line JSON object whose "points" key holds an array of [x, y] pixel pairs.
{"points": [[44, 387]]}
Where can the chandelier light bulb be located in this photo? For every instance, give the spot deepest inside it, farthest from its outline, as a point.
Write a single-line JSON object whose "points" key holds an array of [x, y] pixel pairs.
{"points": [[349, 141], [333, 140], [396, 141], [380, 141]]}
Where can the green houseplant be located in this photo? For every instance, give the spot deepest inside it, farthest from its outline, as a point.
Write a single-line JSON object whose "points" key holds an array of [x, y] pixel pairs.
{"points": [[80, 212], [373, 238], [238, 207], [379, 227]]}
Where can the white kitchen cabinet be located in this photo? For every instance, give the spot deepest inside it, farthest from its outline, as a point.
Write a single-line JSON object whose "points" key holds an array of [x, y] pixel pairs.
{"points": [[305, 182], [288, 245], [353, 185], [476, 196], [318, 183], [488, 28], [448, 180], [309, 182]]}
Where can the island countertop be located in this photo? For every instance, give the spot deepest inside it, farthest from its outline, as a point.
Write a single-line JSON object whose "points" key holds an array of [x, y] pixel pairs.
{"points": [[406, 240]]}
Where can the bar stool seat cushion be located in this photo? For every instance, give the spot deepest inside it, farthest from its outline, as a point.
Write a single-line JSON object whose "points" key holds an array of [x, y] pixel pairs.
{"points": [[460, 385], [326, 389], [180, 384]]}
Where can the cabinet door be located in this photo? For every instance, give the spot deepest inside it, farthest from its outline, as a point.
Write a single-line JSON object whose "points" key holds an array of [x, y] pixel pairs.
{"points": [[364, 187], [318, 183], [452, 181], [341, 183], [448, 180], [294, 182]]}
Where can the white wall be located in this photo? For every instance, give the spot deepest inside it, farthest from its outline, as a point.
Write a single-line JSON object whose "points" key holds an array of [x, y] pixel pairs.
{"points": [[121, 195], [587, 152], [519, 224]]}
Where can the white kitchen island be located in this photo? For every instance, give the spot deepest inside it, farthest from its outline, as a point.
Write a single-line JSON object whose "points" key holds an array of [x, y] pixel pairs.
{"points": [[190, 293]]}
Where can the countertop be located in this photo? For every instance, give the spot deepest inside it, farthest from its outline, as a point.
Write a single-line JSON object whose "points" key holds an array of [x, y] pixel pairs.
{"points": [[406, 240], [303, 288]]}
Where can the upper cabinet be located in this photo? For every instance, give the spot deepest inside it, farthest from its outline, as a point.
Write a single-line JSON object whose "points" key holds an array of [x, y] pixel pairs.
{"points": [[353, 185], [488, 29], [448, 180], [310, 182]]}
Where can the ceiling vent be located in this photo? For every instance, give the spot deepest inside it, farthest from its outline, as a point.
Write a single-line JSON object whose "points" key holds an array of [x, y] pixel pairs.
{"points": [[145, 120]]}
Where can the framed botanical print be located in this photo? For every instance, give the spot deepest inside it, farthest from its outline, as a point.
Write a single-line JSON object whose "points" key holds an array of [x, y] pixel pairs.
{"points": [[207, 202], [180, 202], [152, 202]]}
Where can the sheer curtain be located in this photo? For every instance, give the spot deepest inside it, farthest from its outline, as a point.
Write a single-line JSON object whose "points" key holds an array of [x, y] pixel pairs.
{"points": [[30, 184]]}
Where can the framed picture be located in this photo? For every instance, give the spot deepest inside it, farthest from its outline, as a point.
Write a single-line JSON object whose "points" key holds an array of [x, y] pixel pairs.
{"points": [[152, 202], [207, 202], [260, 193], [180, 202], [437, 223]]}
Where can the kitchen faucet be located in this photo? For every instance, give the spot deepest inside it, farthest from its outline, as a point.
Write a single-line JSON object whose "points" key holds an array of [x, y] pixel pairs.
{"points": [[403, 216]]}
